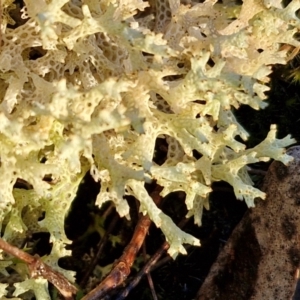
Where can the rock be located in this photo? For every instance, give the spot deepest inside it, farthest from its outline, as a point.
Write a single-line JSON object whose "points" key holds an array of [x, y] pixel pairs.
{"points": [[260, 261]]}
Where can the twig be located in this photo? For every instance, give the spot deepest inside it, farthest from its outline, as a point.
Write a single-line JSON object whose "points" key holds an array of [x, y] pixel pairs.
{"points": [[145, 270], [38, 268], [121, 268], [150, 281], [150, 265]]}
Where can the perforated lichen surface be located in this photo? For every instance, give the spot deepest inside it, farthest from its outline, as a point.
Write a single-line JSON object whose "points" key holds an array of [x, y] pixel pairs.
{"points": [[90, 86]]}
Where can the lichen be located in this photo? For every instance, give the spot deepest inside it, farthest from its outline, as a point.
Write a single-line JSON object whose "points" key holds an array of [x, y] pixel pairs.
{"points": [[91, 86]]}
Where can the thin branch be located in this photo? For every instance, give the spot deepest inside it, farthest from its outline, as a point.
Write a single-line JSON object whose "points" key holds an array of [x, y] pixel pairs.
{"points": [[145, 270], [150, 281], [121, 268], [39, 268], [151, 265]]}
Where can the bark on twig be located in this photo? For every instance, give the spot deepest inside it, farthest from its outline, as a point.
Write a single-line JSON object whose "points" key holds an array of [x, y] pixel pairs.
{"points": [[145, 270], [150, 266], [38, 268]]}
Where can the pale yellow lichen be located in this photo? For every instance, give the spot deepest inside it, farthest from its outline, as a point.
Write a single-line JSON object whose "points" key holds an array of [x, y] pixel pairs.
{"points": [[91, 86]]}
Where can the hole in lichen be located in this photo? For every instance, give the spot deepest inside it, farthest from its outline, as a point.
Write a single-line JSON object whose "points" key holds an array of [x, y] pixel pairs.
{"points": [[210, 62], [174, 205], [161, 17], [42, 216], [40, 244], [105, 44], [296, 36], [80, 211], [16, 15], [161, 104], [33, 53], [196, 154], [106, 53], [43, 160], [32, 123], [22, 184], [147, 54], [203, 102], [172, 77], [48, 178], [160, 151], [24, 36]]}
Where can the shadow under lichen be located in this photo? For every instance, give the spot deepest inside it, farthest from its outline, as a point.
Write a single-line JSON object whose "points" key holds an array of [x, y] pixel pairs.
{"points": [[283, 110]]}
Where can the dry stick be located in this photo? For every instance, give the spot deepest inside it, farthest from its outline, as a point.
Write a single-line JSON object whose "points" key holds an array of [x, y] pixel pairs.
{"points": [[145, 270], [121, 268], [150, 265], [150, 281], [38, 268]]}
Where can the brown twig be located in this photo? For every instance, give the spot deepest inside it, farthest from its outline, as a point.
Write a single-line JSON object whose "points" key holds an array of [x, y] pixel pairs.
{"points": [[38, 268], [145, 270], [150, 281], [121, 268], [149, 277], [150, 265]]}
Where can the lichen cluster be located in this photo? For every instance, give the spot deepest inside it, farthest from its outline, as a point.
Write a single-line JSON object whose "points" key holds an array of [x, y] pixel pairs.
{"points": [[88, 86]]}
